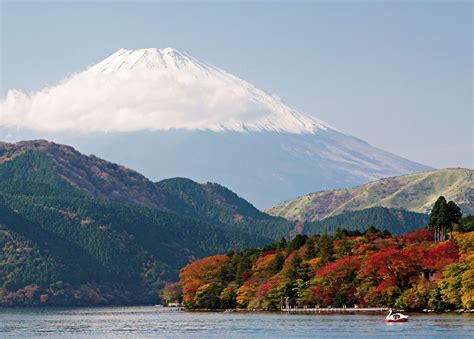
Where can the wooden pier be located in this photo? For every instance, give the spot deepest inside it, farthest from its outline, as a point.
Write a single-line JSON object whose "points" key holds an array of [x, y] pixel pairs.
{"points": [[295, 309]]}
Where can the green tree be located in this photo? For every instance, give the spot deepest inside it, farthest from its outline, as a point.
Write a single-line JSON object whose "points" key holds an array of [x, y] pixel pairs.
{"points": [[454, 213], [297, 269], [296, 243], [325, 249], [277, 263], [282, 244], [310, 252], [466, 224], [442, 217], [208, 296]]}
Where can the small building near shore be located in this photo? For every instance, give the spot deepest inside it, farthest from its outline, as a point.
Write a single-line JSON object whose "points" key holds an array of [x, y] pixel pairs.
{"points": [[428, 274]]}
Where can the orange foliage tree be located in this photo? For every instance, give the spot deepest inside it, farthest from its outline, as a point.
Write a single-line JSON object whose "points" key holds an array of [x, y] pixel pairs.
{"points": [[199, 273]]}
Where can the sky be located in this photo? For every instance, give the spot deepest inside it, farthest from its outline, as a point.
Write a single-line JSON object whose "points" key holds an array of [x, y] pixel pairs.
{"points": [[396, 74]]}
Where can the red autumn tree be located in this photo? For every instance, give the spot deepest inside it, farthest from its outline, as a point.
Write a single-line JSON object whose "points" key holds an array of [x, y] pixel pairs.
{"points": [[419, 236], [334, 283], [387, 272], [440, 255]]}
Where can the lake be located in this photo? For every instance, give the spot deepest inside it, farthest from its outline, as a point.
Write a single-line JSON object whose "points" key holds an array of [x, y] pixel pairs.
{"points": [[152, 322]]}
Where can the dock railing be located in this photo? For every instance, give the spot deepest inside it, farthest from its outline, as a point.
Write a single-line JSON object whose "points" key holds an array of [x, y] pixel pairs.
{"points": [[344, 309]]}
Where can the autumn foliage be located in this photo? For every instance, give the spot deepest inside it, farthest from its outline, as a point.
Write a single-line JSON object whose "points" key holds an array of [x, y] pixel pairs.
{"points": [[373, 269], [199, 277]]}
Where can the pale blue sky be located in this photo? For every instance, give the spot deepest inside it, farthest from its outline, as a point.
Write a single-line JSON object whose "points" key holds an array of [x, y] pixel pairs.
{"points": [[397, 74]]}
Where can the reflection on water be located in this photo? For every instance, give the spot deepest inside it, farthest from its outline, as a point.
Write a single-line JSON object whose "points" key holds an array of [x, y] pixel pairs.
{"points": [[152, 321]]}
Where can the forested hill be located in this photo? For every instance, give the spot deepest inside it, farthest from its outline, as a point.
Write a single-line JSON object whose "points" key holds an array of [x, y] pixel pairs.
{"points": [[215, 203], [98, 178], [395, 221], [116, 231]]}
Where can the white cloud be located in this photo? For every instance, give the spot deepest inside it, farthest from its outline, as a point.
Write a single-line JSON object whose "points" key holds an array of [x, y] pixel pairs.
{"points": [[151, 95], [128, 101]]}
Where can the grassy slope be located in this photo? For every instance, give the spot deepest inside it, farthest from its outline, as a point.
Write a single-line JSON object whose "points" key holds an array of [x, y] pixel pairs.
{"points": [[415, 192]]}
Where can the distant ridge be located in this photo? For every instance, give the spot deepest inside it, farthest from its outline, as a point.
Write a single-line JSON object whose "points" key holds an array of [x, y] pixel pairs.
{"points": [[414, 192]]}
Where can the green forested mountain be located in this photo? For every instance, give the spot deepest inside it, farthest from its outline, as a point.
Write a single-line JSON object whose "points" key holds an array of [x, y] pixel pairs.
{"points": [[393, 220], [217, 204], [413, 192], [107, 231]]}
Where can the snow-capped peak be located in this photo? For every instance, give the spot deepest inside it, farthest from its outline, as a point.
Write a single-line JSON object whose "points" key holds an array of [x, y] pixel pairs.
{"points": [[154, 89], [145, 58]]}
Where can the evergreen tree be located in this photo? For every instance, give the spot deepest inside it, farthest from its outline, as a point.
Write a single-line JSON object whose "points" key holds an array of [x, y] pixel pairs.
{"points": [[277, 263], [466, 224], [282, 244], [310, 252], [296, 243], [454, 213], [442, 217], [438, 218], [325, 249], [294, 266], [297, 269]]}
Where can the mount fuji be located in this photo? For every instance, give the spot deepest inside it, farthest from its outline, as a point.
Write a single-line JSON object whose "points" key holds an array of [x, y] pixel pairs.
{"points": [[167, 114]]}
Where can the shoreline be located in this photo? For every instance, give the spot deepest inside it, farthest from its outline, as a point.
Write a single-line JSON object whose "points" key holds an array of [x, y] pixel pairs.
{"points": [[348, 312]]}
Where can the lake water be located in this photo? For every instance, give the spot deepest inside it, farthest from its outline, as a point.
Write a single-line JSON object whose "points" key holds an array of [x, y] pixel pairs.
{"points": [[135, 322]]}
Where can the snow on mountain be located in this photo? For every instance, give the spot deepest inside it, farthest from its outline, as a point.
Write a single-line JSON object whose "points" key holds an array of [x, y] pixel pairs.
{"points": [[153, 89], [166, 114]]}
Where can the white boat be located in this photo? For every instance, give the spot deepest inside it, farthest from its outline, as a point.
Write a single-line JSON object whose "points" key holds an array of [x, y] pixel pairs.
{"points": [[396, 317]]}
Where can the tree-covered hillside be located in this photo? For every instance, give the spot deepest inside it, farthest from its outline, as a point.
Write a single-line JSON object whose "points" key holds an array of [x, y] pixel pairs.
{"points": [[350, 268], [56, 235], [393, 220], [215, 203], [97, 178]]}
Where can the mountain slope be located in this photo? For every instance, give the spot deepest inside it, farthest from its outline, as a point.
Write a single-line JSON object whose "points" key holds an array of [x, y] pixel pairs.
{"points": [[212, 202], [415, 192], [191, 119], [101, 179], [89, 225]]}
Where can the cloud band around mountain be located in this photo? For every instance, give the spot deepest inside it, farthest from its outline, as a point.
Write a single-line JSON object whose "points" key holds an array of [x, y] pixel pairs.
{"points": [[155, 90]]}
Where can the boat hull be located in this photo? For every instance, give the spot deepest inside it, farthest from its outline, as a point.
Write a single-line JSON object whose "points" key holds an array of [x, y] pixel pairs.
{"points": [[402, 320]]}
